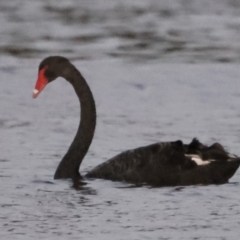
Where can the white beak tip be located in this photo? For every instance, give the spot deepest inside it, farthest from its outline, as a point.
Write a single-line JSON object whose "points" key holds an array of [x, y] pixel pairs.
{"points": [[35, 93]]}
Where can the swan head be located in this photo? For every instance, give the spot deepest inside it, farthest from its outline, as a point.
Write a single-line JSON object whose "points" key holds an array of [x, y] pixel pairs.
{"points": [[50, 69]]}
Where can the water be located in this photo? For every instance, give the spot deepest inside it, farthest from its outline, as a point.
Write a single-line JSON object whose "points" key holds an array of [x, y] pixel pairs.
{"points": [[138, 60]]}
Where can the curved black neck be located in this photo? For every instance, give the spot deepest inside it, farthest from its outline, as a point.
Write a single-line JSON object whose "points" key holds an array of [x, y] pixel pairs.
{"points": [[69, 166]]}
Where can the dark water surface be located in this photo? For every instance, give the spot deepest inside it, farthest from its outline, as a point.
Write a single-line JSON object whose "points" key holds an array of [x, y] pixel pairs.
{"points": [[137, 58]]}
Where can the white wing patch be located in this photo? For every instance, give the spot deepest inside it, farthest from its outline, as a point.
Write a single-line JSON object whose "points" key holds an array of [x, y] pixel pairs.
{"points": [[232, 156], [197, 159]]}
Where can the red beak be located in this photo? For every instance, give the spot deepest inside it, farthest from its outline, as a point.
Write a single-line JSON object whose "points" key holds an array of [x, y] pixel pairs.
{"points": [[40, 84]]}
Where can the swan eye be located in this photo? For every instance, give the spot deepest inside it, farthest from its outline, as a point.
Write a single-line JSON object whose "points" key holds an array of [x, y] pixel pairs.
{"points": [[50, 75]]}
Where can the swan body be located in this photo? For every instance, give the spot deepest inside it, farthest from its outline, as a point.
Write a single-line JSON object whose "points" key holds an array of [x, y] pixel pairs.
{"points": [[168, 164], [159, 164]]}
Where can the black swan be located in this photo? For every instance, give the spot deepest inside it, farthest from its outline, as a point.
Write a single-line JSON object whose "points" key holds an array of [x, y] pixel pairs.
{"points": [[159, 164]]}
